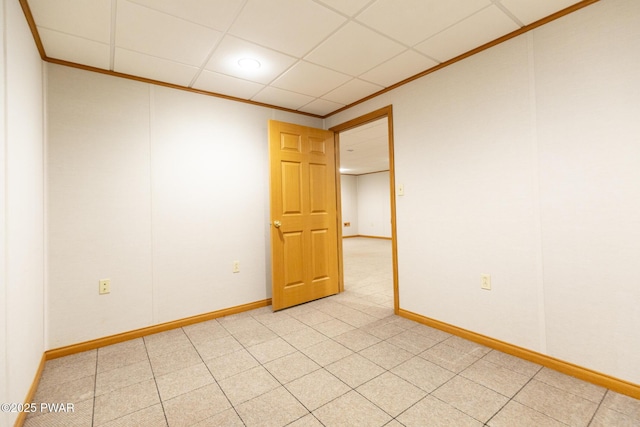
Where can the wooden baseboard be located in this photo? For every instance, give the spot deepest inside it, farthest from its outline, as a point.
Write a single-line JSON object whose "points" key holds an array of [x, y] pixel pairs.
{"points": [[125, 336], [137, 333], [594, 377], [367, 237], [22, 416]]}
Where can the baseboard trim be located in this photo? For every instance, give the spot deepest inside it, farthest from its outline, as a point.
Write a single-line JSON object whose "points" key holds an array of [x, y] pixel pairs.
{"points": [[137, 333], [367, 237], [22, 416], [586, 374]]}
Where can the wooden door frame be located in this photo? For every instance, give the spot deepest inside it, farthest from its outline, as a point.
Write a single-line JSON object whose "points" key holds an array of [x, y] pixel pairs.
{"points": [[359, 121]]}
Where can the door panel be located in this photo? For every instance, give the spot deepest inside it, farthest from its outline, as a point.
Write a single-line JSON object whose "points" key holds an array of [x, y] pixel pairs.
{"points": [[320, 254], [294, 268], [318, 189], [291, 188], [304, 232]]}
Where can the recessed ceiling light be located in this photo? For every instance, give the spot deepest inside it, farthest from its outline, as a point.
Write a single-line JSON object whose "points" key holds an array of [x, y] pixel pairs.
{"points": [[249, 63]]}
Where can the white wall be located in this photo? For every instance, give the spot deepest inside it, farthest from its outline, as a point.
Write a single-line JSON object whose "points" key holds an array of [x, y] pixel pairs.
{"points": [[349, 202], [4, 382], [588, 105], [366, 204], [523, 162], [374, 205], [158, 190], [21, 209]]}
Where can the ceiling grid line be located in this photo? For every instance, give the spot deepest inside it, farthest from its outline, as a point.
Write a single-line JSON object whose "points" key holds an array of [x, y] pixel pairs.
{"points": [[213, 49], [315, 57], [507, 12], [304, 56], [112, 35]]}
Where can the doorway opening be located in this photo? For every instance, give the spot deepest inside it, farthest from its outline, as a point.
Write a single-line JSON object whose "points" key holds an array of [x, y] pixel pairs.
{"points": [[366, 208]]}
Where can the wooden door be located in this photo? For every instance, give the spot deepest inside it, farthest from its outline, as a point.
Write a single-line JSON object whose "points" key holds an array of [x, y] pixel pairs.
{"points": [[304, 229]]}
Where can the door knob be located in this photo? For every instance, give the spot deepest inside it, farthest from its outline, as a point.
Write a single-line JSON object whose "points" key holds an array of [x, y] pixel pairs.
{"points": [[277, 224]]}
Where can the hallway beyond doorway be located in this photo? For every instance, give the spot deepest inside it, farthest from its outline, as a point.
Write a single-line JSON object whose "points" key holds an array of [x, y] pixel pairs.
{"points": [[368, 270]]}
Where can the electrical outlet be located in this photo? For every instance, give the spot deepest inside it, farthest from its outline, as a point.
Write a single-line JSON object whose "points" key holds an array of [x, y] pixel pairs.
{"points": [[104, 286], [485, 281], [236, 266]]}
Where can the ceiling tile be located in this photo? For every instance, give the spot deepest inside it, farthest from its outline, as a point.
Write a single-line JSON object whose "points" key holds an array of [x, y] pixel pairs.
{"points": [[75, 49], [481, 28], [365, 149], [310, 79], [354, 49], [154, 68], [231, 49], [531, 11], [321, 107], [293, 27], [365, 134], [317, 55], [405, 65], [352, 91], [283, 98], [216, 14], [157, 34], [226, 85], [88, 19], [348, 7], [412, 21]]}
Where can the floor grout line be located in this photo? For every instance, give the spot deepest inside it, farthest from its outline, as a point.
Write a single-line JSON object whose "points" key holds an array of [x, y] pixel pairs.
{"points": [[348, 308], [95, 386]]}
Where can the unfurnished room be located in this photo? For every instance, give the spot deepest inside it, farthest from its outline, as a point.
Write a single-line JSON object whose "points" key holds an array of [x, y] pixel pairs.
{"points": [[319, 213]]}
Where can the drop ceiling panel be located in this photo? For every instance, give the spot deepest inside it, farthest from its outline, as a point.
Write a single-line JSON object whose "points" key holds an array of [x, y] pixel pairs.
{"points": [[365, 149], [81, 18], [227, 85], [366, 160], [416, 20], [352, 91], [216, 14], [333, 52], [154, 68], [354, 49], [348, 7], [310, 79], [231, 49], [480, 28], [531, 11], [366, 132], [155, 33], [321, 107], [284, 98], [75, 49], [293, 27], [405, 65]]}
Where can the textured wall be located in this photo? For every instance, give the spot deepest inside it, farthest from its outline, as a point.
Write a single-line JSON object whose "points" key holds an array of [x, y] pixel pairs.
{"points": [[523, 162], [158, 190], [374, 205], [22, 209]]}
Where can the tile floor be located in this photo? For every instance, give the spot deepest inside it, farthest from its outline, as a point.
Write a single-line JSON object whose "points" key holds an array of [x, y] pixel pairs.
{"points": [[345, 360]]}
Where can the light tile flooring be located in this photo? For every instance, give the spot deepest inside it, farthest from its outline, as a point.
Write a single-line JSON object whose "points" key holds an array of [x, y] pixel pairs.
{"points": [[345, 360]]}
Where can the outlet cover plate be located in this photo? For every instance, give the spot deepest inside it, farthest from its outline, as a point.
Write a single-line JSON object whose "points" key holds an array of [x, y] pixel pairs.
{"points": [[485, 281], [104, 286]]}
